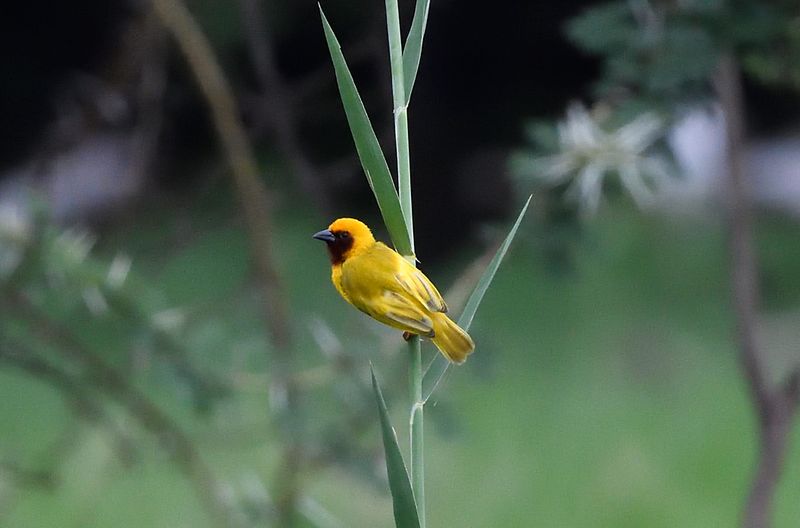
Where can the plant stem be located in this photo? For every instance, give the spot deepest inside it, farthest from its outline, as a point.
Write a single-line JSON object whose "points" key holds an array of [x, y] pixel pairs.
{"points": [[400, 116], [416, 428], [416, 419]]}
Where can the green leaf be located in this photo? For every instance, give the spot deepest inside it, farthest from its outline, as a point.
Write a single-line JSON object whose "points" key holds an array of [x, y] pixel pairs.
{"points": [[413, 48], [405, 507], [439, 365], [369, 150]]}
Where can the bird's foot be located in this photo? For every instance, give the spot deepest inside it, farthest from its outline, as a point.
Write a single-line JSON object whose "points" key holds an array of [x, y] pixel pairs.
{"points": [[407, 336]]}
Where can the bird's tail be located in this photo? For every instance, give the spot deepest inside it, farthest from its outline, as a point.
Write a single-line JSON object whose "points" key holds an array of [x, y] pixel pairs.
{"points": [[450, 339]]}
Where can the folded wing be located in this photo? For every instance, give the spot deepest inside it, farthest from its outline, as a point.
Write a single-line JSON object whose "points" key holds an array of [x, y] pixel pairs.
{"points": [[416, 284], [385, 286]]}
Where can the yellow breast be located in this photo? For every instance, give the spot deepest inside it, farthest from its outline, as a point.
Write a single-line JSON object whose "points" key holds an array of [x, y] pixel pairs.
{"points": [[336, 278]]}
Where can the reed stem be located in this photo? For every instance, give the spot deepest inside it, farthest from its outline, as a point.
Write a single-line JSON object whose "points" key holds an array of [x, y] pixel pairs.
{"points": [[416, 419]]}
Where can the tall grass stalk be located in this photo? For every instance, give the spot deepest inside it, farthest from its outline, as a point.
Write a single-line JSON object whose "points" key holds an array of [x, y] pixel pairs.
{"points": [[400, 117], [400, 102]]}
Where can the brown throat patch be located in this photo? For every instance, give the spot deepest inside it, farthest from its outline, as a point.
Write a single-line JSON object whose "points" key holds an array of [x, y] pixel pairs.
{"points": [[337, 250]]}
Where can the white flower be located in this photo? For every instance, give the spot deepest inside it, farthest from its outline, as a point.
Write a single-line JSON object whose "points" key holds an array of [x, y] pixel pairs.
{"points": [[589, 154]]}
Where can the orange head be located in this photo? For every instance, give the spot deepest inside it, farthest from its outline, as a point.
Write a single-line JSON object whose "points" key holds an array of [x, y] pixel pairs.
{"points": [[345, 237]]}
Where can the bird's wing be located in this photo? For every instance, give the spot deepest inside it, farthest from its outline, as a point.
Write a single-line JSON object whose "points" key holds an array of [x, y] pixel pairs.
{"points": [[379, 284], [404, 314], [416, 284], [412, 281]]}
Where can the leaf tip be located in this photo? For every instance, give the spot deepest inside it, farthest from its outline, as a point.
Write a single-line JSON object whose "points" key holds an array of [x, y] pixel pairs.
{"points": [[324, 18], [375, 385]]}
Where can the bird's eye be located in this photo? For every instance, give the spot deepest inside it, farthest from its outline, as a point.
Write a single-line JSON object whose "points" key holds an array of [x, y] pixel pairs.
{"points": [[344, 234]]}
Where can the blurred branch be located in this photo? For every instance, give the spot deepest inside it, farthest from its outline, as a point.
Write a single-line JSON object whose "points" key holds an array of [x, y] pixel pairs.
{"points": [[206, 387], [46, 250], [251, 189], [104, 378], [253, 195], [280, 105], [775, 406], [150, 91], [28, 477]]}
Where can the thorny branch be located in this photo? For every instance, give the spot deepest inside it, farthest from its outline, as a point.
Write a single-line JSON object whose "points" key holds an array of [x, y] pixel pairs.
{"points": [[776, 406], [104, 378]]}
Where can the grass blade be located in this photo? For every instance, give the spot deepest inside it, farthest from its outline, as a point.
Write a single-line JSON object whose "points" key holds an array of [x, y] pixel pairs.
{"points": [[413, 48], [369, 150], [486, 279], [405, 508], [438, 367]]}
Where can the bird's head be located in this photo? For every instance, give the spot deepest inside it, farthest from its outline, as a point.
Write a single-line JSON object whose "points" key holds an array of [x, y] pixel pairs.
{"points": [[345, 238]]}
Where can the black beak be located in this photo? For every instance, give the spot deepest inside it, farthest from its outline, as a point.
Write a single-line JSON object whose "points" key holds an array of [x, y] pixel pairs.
{"points": [[325, 235]]}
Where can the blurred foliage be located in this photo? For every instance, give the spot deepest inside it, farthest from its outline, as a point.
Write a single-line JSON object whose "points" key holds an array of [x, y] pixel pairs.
{"points": [[624, 427], [188, 331], [662, 54], [53, 269]]}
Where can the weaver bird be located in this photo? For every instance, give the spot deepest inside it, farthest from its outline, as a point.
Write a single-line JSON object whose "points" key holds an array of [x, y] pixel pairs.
{"points": [[381, 283]]}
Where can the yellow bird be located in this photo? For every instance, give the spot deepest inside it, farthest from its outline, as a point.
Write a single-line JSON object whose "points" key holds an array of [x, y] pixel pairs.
{"points": [[381, 283]]}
